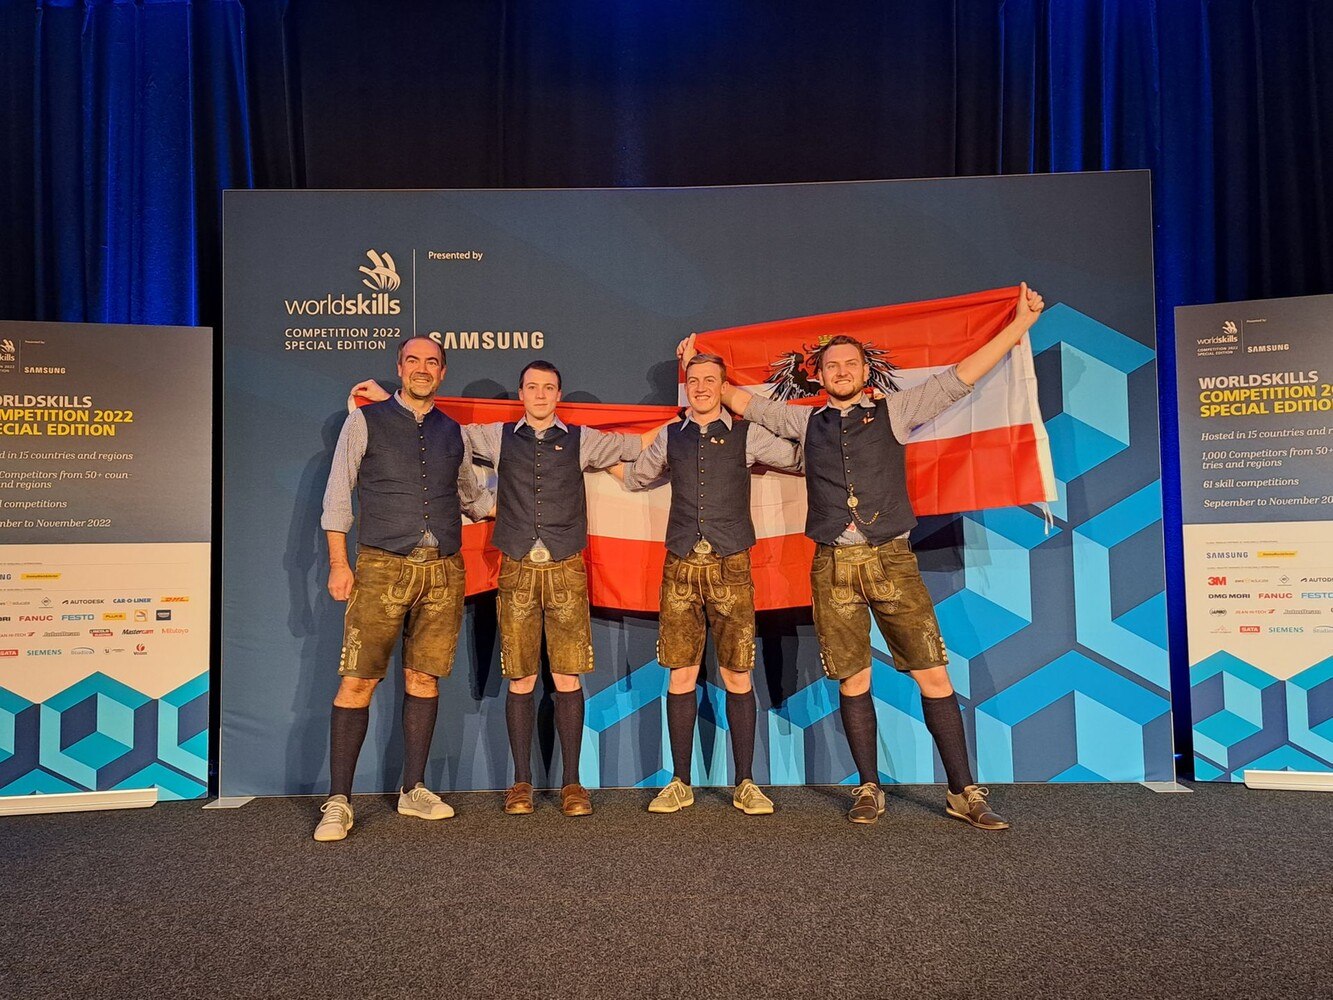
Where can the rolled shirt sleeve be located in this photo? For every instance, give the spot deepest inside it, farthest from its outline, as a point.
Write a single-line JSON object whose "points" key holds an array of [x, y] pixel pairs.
{"points": [[786, 420], [650, 466], [911, 408], [763, 447], [601, 450], [347, 455]]}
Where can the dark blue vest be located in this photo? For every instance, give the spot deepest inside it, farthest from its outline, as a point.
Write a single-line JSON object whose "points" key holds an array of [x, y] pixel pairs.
{"points": [[859, 450], [408, 480], [541, 493], [710, 488]]}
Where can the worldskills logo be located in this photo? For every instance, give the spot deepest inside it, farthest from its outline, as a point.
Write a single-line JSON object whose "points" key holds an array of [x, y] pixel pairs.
{"points": [[9, 356], [381, 277], [793, 373]]}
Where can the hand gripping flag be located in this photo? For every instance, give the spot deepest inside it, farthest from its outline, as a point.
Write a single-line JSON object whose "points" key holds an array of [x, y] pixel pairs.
{"points": [[987, 450]]}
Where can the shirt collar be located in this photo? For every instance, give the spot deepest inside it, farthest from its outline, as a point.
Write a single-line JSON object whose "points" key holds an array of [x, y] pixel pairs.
{"points": [[865, 402], [686, 418], [523, 422], [418, 417]]}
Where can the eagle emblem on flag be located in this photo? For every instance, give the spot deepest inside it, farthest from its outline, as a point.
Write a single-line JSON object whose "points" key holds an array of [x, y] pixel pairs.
{"points": [[792, 375]]}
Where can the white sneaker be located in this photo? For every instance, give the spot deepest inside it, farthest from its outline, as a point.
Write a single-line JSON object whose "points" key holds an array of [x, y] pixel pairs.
{"points": [[337, 819], [673, 798], [422, 803]]}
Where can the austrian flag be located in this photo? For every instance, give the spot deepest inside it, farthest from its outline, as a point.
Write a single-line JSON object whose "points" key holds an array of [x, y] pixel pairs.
{"points": [[988, 450]]}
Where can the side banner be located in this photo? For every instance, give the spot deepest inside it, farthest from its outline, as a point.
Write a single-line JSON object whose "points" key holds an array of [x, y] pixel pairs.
{"points": [[1055, 632], [1256, 429], [105, 507]]}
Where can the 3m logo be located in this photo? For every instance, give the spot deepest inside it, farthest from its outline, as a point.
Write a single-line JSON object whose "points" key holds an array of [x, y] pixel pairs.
{"points": [[1217, 581], [383, 277]]}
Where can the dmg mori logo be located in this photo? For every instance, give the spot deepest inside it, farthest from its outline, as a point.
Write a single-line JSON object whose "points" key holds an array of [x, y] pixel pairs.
{"points": [[381, 277]]}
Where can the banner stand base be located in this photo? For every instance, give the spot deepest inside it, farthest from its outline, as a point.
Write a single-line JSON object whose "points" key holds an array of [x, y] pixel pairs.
{"points": [[62, 802], [229, 802], [1166, 786], [1290, 781]]}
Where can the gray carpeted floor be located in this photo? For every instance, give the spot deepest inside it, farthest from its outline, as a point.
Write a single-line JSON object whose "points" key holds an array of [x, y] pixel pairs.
{"points": [[1097, 891]]}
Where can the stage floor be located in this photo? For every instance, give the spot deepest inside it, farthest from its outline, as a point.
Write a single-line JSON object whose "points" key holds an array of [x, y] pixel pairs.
{"points": [[1107, 891]]}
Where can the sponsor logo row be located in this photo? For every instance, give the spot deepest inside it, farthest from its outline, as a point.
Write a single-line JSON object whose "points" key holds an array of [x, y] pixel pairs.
{"points": [[1273, 630], [138, 615]]}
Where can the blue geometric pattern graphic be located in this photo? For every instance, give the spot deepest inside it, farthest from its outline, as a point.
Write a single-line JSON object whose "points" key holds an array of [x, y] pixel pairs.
{"points": [[1246, 718], [1056, 633], [101, 734]]}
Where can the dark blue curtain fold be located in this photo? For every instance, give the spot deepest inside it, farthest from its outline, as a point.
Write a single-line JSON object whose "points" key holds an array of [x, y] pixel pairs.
{"points": [[125, 120]]}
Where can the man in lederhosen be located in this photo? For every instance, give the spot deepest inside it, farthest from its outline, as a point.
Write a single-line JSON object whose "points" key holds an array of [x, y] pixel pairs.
{"points": [[541, 530], [411, 469], [706, 581], [859, 514]]}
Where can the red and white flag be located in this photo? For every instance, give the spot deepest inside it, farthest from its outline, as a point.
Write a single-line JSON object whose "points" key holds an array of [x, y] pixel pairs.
{"points": [[987, 450]]}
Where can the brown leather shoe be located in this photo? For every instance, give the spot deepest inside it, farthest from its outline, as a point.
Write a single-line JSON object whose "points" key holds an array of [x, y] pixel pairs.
{"points": [[574, 800], [518, 800], [971, 807]]}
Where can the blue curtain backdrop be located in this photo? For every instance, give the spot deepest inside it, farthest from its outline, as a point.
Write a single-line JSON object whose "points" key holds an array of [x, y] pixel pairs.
{"points": [[124, 120]]}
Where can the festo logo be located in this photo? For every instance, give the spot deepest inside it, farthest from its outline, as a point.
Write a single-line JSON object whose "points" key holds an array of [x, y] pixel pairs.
{"points": [[77, 618], [381, 278], [1317, 595]]}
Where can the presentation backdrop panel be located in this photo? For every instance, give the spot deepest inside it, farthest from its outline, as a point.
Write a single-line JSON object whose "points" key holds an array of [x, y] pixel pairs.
{"points": [[1056, 637], [1256, 429], [105, 521]]}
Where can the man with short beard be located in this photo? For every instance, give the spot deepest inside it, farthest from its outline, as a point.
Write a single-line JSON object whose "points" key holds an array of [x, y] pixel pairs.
{"points": [[411, 469], [706, 580], [859, 514]]}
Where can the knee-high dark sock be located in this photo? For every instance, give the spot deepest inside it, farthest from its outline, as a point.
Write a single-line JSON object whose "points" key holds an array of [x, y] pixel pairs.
{"points": [[858, 722], [347, 731], [944, 719], [418, 728], [569, 724], [682, 710], [520, 716], [741, 709]]}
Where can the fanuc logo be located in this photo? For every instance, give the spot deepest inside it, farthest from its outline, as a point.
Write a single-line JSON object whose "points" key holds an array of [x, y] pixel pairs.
{"points": [[381, 278]]}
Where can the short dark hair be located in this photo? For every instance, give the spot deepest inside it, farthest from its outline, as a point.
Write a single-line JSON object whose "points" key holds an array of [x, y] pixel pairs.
{"points": [[707, 359], [840, 340], [438, 346], [541, 366]]}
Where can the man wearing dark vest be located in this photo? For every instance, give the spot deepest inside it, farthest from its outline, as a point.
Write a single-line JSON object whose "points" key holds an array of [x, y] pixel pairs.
{"points": [[412, 471], [541, 530], [706, 580], [859, 515]]}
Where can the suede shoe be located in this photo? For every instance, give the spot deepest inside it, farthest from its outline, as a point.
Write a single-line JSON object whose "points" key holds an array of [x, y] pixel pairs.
{"points": [[574, 800], [971, 807], [422, 803], [518, 800], [750, 800], [336, 819], [867, 803], [675, 797]]}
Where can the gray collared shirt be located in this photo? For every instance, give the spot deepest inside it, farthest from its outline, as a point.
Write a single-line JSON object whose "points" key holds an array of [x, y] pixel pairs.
{"points": [[908, 410], [476, 501], [597, 449], [762, 447]]}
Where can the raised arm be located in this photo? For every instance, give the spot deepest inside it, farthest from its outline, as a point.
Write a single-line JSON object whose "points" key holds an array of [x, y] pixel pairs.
{"points": [[989, 354], [784, 420]]}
